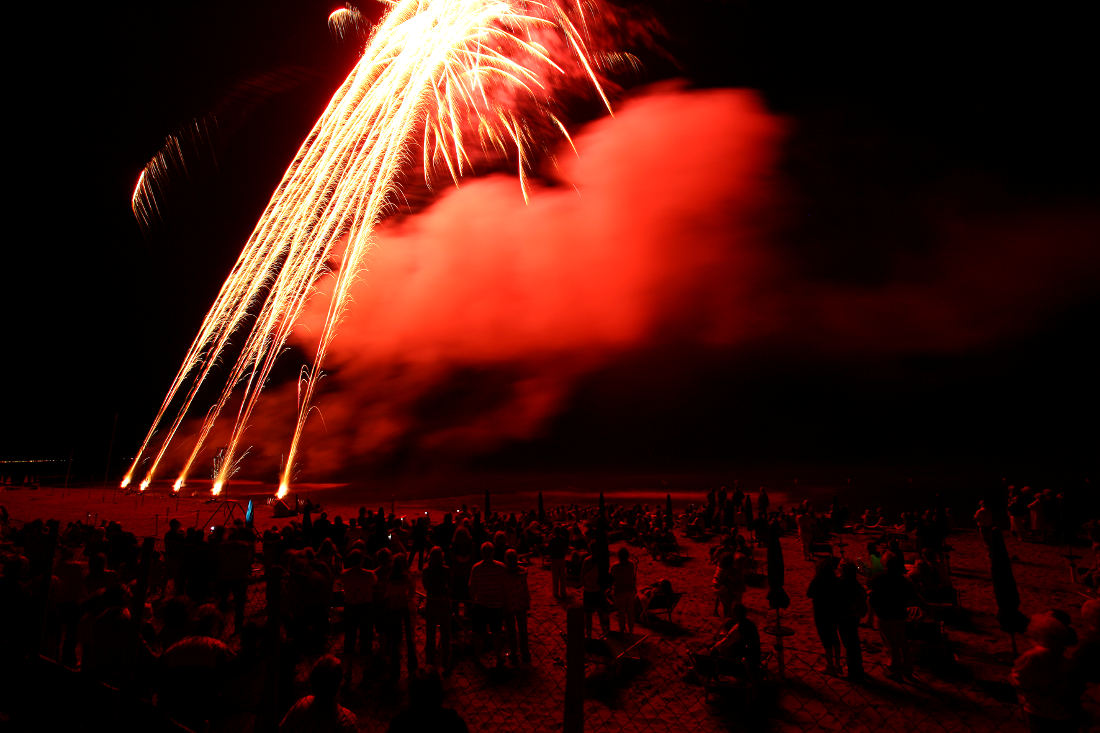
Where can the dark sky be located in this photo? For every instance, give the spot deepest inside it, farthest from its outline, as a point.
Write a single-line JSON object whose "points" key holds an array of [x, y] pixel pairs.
{"points": [[926, 253]]}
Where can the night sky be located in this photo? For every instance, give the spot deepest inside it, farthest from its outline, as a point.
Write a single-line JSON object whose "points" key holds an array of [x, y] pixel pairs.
{"points": [[846, 236]]}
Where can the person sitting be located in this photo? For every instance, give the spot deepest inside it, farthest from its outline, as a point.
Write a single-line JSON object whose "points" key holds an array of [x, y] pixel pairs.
{"points": [[735, 651], [728, 584], [657, 595]]}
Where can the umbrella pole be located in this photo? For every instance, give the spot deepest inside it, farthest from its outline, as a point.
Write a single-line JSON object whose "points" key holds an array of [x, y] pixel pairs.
{"points": [[779, 644]]}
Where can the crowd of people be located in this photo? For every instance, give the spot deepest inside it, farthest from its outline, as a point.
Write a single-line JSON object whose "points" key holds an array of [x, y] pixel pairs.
{"points": [[172, 621], [208, 624]]}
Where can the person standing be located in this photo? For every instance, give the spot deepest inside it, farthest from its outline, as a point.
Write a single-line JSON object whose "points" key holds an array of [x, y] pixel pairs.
{"points": [[488, 594], [624, 584], [438, 614], [824, 592], [983, 518], [891, 597], [359, 584], [806, 528], [398, 614], [1017, 513], [851, 608], [728, 583], [516, 606], [594, 599]]}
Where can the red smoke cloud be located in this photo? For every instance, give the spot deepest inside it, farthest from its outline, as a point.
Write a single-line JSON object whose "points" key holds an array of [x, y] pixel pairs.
{"points": [[478, 316], [651, 232]]}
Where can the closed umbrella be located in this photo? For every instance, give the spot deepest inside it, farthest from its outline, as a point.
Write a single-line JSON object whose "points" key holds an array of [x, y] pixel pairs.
{"points": [[1005, 591], [777, 596]]}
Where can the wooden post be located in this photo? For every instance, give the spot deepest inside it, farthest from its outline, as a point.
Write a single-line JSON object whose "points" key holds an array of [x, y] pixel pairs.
{"points": [[141, 588], [137, 604], [110, 450], [44, 587], [574, 671], [267, 718], [779, 644]]}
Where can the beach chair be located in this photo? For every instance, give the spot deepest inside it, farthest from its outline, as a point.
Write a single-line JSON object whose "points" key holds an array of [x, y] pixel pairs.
{"points": [[614, 650], [723, 676]]}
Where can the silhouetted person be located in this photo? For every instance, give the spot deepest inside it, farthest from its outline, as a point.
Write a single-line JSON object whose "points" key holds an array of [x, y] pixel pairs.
{"points": [[359, 584], [891, 597], [851, 608], [193, 670], [489, 593], [624, 583], [824, 592], [1042, 676], [516, 606], [399, 593], [438, 615], [595, 602], [320, 712]]}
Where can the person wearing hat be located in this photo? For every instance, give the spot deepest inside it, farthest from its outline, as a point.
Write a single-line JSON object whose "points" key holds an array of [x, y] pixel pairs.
{"points": [[1042, 675]]}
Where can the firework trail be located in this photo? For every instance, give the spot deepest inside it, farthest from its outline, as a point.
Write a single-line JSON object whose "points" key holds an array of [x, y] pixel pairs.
{"points": [[441, 74]]}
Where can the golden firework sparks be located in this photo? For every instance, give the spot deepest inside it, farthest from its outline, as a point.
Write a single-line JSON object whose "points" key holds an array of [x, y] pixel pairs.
{"points": [[439, 73]]}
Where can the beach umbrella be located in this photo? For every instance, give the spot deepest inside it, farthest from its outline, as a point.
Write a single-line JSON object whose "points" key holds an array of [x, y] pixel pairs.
{"points": [[542, 510], [1005, 591], [777, 596]]}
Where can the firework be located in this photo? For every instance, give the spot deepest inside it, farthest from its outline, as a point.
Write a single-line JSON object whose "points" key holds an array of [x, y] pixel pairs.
{"points": [[346, 23], [450, 76]]}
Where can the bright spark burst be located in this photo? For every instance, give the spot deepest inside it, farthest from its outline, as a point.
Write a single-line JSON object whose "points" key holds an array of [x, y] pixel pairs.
{"points": [[346, 22], [171, 161], [439, 73]]}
